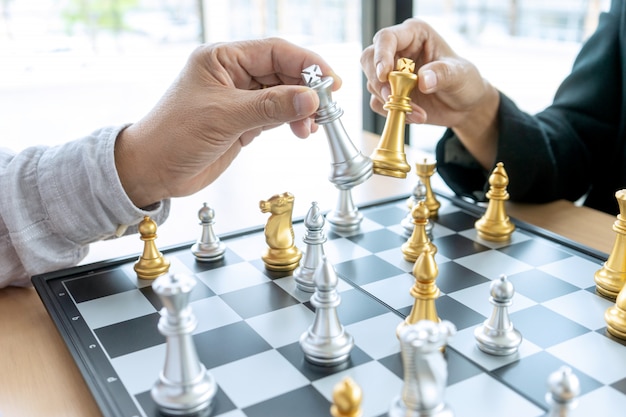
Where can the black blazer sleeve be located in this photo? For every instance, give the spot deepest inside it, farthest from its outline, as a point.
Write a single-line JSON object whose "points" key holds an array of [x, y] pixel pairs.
{"points": [[571, 148]]}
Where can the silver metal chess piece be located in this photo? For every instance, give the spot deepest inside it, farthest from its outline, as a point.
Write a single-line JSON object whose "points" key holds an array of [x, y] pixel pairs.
{"points": [[563, 392], [326, 342], [418, 194], [314, 252], [348, 166], [425, 370], [346, 217], [496, 335], [184, 386], [209, 247]]}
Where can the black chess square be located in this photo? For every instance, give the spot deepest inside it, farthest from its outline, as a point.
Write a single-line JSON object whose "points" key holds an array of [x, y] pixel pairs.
{"points": [[457, 221], [131, 335], [540, 286], [454, 277], [378, 240], [228, 343], [200, 291], [529, 376], [258, 299], [457, 313], [367, 269], [386, 216], [99, 285], [303, 402], [457, 246], [544, 327]]}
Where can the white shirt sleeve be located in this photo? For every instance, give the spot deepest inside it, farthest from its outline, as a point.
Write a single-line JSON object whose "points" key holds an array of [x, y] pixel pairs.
{"points": [[57, 200]]}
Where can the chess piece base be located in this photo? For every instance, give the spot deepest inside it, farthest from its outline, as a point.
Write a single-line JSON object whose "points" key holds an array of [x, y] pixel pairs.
{"points": [[282, 259], [609, 282], [151, 268], [208, 253], [327, 351], [399, 409], [616, 322], [497, 343], [194, 399]]}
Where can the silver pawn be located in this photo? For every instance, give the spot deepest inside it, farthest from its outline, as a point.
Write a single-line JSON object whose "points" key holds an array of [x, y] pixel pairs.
{"points": [[345, 218], [208, 248], [425, 370], [326, 342], [184, 386], [314, 252], [419, 194], [496, 335], [563, 391], [348, 166]]}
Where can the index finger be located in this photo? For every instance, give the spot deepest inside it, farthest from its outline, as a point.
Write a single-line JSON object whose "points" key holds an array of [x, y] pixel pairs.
{"points": [[272, 61]]}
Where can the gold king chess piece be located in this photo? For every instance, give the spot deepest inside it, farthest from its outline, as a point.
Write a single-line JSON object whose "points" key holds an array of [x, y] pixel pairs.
{"points": [[495, 225], [389, 158], [611, 277], [281, 254], [151, 264]]}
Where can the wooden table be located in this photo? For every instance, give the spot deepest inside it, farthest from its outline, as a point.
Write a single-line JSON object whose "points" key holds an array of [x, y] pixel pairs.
{"points": [[38, 375]]}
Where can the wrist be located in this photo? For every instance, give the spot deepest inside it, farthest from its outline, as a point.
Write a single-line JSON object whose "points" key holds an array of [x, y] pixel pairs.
{"points": [[134, 174], [478, 131]]}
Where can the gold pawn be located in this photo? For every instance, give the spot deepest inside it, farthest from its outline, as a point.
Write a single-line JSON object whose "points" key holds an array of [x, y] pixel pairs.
{"points": [[425, 171], [419, 241], [151, 264], [611, 277], [615, 317], [347, 397], [389, 158], [424, 291], [495, 225]]}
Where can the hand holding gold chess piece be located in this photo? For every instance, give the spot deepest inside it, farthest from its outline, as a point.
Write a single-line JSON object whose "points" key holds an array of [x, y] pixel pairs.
{"points": [[389, 157]]}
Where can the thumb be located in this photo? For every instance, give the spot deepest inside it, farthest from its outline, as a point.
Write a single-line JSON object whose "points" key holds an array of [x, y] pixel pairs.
{"points": [[277, 105], [438, 76]]}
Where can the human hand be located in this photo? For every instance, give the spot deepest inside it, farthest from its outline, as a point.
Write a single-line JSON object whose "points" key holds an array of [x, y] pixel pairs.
{"points": [[218, 105], [449, 87]]}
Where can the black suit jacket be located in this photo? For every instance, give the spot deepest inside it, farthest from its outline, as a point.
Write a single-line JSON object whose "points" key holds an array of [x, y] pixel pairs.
{"points": [[575, 146]]}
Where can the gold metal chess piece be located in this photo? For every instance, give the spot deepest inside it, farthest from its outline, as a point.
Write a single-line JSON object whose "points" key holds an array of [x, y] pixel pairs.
{"points": [[425, 171], [495, 225], [615, 316], [425, 291], [419, 240], [610, 279], [347, 397], [151, 264], [282, 254], [389, 158]]}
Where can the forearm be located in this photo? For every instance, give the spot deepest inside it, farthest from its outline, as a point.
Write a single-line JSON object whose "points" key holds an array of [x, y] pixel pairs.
{"points": [[59, 200]]}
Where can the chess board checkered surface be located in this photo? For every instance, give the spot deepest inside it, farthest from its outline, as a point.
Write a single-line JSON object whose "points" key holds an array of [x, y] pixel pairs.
{"points": [[250, 320]]}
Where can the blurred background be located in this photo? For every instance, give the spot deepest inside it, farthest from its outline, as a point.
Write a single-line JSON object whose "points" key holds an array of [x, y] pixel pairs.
{"points": [[68, 67]]}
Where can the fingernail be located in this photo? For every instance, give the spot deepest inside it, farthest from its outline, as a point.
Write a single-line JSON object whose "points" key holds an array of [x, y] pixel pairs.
{"points": [[379, 70], [385, 92], [305, 103], [430, 79]]}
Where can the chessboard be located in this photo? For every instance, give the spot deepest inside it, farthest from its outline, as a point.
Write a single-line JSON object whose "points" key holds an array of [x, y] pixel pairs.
{"points": [[250, 321]]}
